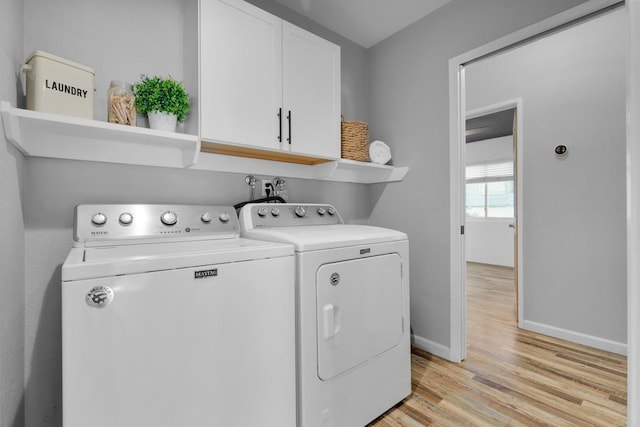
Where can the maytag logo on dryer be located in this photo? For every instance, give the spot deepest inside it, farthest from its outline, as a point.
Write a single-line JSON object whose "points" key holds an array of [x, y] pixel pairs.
{"points": [[99, 233], [203, 274]]}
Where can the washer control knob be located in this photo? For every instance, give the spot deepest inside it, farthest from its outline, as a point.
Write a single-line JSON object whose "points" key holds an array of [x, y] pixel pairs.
{"points": [[99, 219], [322, 211], [275, 212], [125, 218], [169, 218], [223, 217], [262, 212], [205, 217], [331, 211], [300, 211]]}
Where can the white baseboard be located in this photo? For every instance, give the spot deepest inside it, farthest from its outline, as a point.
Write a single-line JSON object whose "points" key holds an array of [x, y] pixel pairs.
{"points": [[576, 337], [432, 347]]}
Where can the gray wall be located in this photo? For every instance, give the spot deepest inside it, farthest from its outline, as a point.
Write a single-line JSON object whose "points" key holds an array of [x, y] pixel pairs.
{"points": [[572, 86], [409, 109], [12, 296], [53, 187]]}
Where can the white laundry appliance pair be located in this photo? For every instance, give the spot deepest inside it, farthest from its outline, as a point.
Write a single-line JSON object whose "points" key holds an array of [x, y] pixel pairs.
{"points": [[169, 319], [352, 311]]}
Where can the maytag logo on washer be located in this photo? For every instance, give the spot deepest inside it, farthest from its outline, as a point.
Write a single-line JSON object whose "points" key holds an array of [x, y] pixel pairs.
{"points": [[99, 296], [203, 274]]}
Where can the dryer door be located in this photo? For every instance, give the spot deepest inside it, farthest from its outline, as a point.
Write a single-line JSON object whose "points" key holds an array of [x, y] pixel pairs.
{"points": [[359, 311]]}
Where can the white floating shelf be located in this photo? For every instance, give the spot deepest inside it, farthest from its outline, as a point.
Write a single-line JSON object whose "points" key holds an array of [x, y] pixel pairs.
{"points": [[340, 170], [367, 173], [236, 164], [63, 137]]}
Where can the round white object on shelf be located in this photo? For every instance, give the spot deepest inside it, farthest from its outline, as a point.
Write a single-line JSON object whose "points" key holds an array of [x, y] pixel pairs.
{"points": [[379, 152]]}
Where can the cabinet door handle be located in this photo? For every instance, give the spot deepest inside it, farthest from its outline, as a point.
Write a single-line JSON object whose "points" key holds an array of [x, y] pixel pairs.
{"points": [[280, 124], [290, 119]]}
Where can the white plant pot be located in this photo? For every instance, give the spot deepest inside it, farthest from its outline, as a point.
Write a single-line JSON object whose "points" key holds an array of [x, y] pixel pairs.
{"points": [[160, 120]]}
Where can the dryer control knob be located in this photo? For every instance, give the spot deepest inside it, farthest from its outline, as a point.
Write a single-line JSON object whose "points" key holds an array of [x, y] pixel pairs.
{"points": [[224, 217], [169, 218], [300, 211], [205, 217], [331, 211], [322, 211], [125, 218], [262, 212], [275, 212], [99, 219]]}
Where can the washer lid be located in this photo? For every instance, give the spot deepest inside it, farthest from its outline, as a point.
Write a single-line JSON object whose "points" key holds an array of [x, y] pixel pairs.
{"points": [[104, 261], [317, 237]]}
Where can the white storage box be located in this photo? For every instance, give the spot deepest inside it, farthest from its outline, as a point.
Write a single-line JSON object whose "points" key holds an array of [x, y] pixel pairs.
{"points": [[56, 85]]}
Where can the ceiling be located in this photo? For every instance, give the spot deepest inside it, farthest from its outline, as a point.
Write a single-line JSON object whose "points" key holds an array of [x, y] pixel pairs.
{"points": [[365, 22], [490, 126]]}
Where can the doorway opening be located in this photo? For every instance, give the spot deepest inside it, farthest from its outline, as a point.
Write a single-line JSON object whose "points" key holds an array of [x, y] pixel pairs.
{"points": [[491, 194], [549, 168], [457, 118]]}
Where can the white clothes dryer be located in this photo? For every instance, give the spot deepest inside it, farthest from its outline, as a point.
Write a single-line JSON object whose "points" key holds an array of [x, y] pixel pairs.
{"points": [[352, 318], [169, 318]]}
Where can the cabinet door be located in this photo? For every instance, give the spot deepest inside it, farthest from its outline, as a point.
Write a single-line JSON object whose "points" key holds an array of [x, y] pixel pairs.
{"points": [[311, 92], [240, 74]]}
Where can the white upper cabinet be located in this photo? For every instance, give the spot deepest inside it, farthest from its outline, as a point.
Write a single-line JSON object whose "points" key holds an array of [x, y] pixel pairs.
{"points": [[264, 84], [240, 74], [311, 92]]}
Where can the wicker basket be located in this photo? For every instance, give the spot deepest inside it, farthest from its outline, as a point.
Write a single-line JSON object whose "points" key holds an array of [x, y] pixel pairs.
{"points": [[355, 140]]}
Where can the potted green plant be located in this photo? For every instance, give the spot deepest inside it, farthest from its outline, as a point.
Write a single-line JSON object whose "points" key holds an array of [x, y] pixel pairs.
{"points": [[163, 100]]}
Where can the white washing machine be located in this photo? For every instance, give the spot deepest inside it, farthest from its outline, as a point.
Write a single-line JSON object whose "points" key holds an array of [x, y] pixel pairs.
{"points": [[352, 285], [169, 319]]}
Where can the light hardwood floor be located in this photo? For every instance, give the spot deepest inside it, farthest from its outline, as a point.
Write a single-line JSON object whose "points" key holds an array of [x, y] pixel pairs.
{"points": [[511, 377]]}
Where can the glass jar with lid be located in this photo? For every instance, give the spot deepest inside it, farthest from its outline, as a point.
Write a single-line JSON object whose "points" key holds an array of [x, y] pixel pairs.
{"points": [[122, 103]]}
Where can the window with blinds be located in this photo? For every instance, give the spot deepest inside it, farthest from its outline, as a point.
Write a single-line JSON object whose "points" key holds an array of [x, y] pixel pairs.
{"points": [[490, 172], [490, 190]]}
